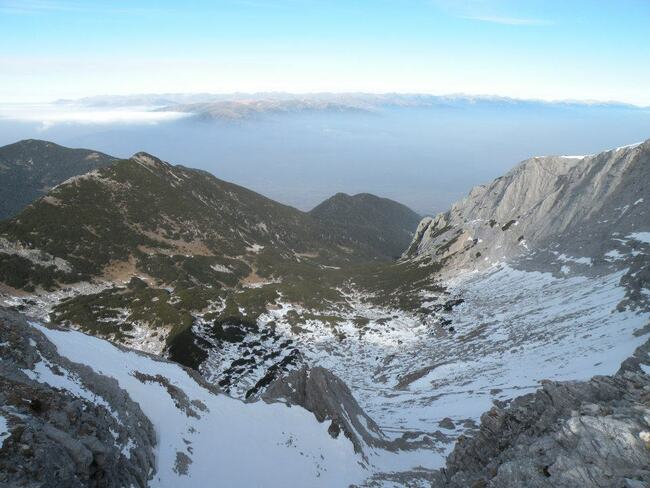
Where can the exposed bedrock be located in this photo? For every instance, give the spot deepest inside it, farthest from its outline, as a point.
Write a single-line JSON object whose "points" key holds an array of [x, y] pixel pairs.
{"points": [[99, 437], [328, 398], [593, 433]]}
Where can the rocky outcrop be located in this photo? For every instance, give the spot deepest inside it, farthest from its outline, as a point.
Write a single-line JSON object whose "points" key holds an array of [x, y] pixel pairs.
{"points": [[570, 204], [567, 434], [328, 398], [321, 392], [97, 437]]}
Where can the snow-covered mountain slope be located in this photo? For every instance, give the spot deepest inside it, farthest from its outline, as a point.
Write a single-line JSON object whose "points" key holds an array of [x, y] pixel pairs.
{"points": [[570, 303], [550, 266], [427, 377], [62, 423], [514, 329], [202, 437]]}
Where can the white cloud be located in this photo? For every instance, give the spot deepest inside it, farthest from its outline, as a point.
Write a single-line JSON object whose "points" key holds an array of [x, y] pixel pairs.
{"points": [[52, 114]]}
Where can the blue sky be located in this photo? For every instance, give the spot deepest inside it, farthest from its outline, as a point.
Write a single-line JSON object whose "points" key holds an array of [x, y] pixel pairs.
{"points": [[577, 49]]}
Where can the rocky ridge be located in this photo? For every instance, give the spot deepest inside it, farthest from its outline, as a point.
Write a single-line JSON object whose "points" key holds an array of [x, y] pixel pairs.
{"points": [[575, 206], [136, 251], [591, 433], [561, 219]]}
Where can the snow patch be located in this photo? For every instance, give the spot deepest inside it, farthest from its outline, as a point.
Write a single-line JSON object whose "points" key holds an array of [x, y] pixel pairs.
{"points": [[581, 260], [640, 236], [614, 255], [629, 146], [4, 430], [220, 268], [46, 372], [36, 256]]}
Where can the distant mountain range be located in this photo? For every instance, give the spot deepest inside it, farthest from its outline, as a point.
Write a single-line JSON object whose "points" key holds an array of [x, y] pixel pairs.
{"points": [[246, 105]]}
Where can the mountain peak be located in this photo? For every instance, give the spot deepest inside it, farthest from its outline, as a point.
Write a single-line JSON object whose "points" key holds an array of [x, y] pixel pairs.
{"points": [[34, 142], [31, 167], [356, 197], [385, 222], [148, 160], [542, 202]]}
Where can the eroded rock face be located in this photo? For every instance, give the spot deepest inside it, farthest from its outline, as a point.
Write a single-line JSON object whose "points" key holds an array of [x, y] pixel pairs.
{"points": [[321, 392], [567, 434], [328, 398], [578, 206], [98, 438]]}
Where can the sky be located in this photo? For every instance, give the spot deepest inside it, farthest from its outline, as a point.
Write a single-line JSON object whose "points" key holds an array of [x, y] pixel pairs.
{"points": [[546, 49]]}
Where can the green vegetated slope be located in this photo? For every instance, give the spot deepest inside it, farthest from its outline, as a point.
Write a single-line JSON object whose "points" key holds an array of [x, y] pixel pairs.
{"points": [[30, 168], [171, 242], [387, 225], [177, 222]]}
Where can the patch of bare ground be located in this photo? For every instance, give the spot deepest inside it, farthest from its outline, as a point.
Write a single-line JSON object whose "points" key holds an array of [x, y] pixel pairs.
{"points": [[9, 291], [52, 200], [123, 271], [193, 248], [253, 279], [311, 254], [92, 157]]}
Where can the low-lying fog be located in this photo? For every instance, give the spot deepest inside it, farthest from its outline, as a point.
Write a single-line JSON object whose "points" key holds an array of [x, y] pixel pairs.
{"points": [[424, 157]]}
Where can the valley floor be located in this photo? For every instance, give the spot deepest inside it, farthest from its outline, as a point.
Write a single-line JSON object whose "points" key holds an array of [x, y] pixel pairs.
{"points": [[496, 334], [513, 330]]}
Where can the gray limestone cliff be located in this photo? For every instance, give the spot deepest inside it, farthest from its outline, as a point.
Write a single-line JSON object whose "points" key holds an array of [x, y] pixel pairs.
{"points": [[576, 205]]}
